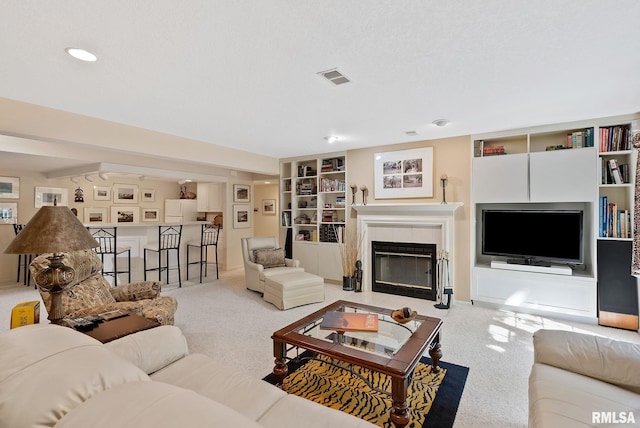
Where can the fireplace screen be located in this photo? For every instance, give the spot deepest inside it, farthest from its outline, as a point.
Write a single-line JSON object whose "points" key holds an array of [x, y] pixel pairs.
{"points": [[407, 269]]}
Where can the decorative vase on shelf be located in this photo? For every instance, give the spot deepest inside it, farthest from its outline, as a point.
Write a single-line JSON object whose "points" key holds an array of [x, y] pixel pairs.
{"points": [[348, 283]]}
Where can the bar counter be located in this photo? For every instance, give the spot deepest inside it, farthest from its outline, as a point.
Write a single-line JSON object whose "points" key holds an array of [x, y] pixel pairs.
{"points": [[139, 235]]}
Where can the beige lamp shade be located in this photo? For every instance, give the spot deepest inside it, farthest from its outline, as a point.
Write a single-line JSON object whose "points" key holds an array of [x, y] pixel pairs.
{"points": [[52, 230]]}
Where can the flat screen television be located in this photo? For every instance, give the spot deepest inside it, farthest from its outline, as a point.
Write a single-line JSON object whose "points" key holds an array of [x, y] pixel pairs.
{"points": [[536, 237]]}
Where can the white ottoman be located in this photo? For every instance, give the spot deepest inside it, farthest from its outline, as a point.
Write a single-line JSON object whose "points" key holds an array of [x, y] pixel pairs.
{"points": [[289, 290]]}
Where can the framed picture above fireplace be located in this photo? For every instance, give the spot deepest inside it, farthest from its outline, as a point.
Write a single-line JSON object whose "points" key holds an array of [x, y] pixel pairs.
{"points": [[404, 174]]}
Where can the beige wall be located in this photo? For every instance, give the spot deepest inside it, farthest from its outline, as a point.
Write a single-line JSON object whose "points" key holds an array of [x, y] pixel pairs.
{"points": [[265, 224], [26, 204], [451, 156], [233, 236]]}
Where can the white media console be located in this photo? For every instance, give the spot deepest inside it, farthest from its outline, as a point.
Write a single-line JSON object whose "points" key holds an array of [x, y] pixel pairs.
{"points": [[554, 269]]}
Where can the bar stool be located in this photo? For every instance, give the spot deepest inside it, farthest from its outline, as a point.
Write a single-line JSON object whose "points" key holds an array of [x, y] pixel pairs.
{"points": [[107, 237], [168, 239], [208, 238], [24, 260]]}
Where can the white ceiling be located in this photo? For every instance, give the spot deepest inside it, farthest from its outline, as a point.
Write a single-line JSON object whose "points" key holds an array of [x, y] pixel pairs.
{"points": [[242, 73]]}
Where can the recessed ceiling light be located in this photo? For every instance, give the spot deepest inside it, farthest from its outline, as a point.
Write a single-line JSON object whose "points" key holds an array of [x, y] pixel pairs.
{"points": [[331, 139], [441, 122], [267, 182], [81, 54]]}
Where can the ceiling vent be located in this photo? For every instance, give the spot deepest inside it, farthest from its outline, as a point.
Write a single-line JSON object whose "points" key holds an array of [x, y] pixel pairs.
{"points": [[411, 133], [334, 76]]}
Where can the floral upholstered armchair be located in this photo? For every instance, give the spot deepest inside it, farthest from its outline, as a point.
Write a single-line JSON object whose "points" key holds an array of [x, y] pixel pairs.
{"points": [[91, 294]]}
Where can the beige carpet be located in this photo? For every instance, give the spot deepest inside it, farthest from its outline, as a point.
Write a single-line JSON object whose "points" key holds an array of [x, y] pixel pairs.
{"points": [[234, 325]]}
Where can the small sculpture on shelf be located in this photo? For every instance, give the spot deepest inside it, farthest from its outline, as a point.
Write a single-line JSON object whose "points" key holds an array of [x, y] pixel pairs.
{"points": [[79, 195], [358, 276], [354, 192]]}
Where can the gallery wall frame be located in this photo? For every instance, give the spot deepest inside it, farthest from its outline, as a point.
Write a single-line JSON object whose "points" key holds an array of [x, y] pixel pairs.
{"points": [[125, 214], [95, 215], [404, 174], [148, 195], [150, 214], [9, 187], [241, 216], [101, 193], [241, 193], [45, 196], [125, 193], [269, 207], [8, 213]]}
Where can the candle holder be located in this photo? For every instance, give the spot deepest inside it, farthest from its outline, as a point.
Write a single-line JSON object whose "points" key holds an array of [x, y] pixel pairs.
{"points": [[354, 192], [443, 183], [364, 194]]}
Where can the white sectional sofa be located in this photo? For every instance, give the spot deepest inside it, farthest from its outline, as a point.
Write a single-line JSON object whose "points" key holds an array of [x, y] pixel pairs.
{"points": [[52, 376], [580, 380]]}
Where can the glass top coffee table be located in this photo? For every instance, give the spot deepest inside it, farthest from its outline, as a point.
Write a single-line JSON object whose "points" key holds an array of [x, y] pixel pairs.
{"points": [[395, 349]]}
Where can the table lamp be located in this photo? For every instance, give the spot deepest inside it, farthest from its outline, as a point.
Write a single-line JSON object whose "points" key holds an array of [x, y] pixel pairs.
{"points": [[53, 230]]}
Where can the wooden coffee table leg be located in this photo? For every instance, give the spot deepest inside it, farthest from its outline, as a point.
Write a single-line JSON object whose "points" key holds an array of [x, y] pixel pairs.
{"points": [[435, 353], [399, 414], [280, 369]]}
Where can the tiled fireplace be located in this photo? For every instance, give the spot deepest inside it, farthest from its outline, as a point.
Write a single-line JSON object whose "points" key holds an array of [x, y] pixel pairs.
{"points": [[427, 223], [404, 268]]}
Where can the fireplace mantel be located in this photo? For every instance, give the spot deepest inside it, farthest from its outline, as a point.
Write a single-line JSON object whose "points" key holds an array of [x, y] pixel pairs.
{"points": [[407, 221], [424, 209]]}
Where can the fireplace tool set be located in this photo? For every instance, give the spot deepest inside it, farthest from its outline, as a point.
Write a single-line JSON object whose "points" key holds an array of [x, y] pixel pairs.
{"points": [[443, 285]]}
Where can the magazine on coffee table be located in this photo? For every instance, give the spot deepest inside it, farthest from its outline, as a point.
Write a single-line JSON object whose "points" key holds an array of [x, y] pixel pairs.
{"points": [[349, 321]]}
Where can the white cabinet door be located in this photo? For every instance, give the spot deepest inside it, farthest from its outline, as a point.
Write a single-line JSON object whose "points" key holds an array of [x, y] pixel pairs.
{"points": [[329, 261], [307, 254], [172, 208], [501, 178], [209, 197], [563, 175]]}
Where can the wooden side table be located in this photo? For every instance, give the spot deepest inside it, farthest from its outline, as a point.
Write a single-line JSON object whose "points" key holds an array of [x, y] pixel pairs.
{"points": [[107, 331]]}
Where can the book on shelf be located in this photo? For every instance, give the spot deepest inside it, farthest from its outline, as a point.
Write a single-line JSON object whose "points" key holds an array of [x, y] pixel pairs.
{"points": [[615, 171], [615, 138], [349, 321], [582, 138], [286, 218], [493, 150], [478, 146], [332, 165], [613, 222]]}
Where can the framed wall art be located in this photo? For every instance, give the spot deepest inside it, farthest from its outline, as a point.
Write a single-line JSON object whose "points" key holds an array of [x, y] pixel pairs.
{"points": [[241, 193], [8, 213], [241, 216], [9, 187], [148, 195], [125, 193], [125, 214], [101, 193], [404, 174], [95, 215], [150, 214], [269, 206], [46, 196]]}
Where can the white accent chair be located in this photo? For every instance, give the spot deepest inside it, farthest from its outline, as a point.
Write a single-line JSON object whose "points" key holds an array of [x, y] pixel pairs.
{"points": [[256, 274]]}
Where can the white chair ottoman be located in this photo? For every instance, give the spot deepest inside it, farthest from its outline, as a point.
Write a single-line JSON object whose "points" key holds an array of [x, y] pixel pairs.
{"points": [[292, 289]]}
